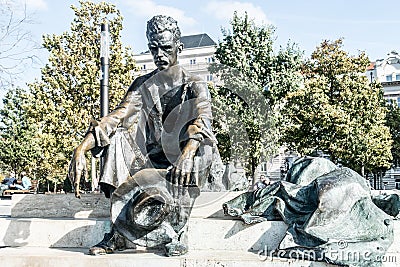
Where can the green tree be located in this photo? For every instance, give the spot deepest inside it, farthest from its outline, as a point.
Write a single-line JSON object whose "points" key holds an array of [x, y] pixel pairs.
{"points": [[338, 112], [17, 47], [254, 80], [66, 98], [393, 122], [19, 143]]}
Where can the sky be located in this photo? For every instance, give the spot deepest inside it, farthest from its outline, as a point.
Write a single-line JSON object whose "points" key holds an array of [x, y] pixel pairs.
{"points": [[370, 26]]}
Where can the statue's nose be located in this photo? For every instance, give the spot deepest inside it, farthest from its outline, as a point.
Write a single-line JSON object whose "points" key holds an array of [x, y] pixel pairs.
{"points": [[159, 52]]}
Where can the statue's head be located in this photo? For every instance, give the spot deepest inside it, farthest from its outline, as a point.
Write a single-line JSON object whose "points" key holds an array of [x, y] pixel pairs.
{"points": [[164, 44]]}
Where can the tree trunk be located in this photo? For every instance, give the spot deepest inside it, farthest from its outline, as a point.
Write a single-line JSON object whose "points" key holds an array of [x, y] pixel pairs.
{"points": [[253, 169], [362, 170]]}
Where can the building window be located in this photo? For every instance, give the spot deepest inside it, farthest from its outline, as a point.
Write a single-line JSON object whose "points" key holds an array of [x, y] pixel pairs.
{"points": [[388, 78], [264, 167], [398, 102], [209, 78], [397, 77], [390, 101], [192, 61], [210, 60], [397, 183]]}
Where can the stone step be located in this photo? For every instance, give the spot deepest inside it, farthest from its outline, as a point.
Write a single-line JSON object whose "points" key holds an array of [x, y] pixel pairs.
{"points": [[204, 234], [214, 239], [5, 206], [208, 204], [208, 227], [46, 257], [49, 257]]}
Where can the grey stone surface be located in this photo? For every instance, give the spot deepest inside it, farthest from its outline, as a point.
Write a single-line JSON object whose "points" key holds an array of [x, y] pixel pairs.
{"points": [[60, 206], [13, 257], [40, 232], [97, 206], [5, 206], [216, 234], [204, 234], [209, 228]]}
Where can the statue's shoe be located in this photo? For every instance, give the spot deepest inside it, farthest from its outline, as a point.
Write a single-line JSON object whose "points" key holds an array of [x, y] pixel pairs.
{"points": [[111, 242], [175, 248]]}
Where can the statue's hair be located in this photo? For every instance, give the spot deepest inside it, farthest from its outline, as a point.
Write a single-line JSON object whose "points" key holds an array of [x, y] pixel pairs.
{"points": [[161, 23]]}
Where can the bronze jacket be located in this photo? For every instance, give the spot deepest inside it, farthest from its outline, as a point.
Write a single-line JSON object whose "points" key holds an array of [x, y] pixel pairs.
{"points": [[159, 113]]}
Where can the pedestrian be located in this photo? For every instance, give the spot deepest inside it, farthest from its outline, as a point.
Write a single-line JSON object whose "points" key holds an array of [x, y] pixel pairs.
{"points": [[26, 183], [8, 183], [262, 183]]}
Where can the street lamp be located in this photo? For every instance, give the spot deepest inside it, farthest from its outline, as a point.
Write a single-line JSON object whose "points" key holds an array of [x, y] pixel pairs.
{"points": [[104, 84], [104, 62]]}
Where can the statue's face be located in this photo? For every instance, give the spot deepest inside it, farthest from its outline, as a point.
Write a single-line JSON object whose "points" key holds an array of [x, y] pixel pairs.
{"points": [[164, 49]]}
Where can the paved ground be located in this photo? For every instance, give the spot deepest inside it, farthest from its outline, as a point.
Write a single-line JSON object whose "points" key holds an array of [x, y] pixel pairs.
{"points": [[46, 257], [5, 206]]}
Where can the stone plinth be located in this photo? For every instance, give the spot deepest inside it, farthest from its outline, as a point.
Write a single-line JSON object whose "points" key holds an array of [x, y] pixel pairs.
{"points": [[60, 206], [68, 222], [208, 204], [204, 234], [52, 230], [45, 257]]}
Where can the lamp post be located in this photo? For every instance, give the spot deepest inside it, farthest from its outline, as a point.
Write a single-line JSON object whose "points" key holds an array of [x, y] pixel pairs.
{"points": [[104, 104], [104, 62]]}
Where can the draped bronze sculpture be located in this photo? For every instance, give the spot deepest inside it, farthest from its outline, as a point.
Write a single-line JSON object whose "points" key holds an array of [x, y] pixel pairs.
{"points": [[330, 213]]}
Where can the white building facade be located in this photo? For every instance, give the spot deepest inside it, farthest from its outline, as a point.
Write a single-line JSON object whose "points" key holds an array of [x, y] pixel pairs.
{"points": [[387, 72], [197, 55]]}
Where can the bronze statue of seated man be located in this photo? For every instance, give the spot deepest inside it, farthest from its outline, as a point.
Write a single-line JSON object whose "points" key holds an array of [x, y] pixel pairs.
{"points": [[158, 147]]}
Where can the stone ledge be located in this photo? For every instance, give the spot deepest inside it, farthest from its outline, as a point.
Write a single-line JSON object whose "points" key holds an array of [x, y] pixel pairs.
{"points": [[45, 257], [208, 204], [204, 234], [60, 206]]}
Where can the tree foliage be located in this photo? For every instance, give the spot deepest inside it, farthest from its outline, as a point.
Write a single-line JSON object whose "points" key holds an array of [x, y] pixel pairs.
{"points": [[393, 122], [254, 81], [66, 97], [338, 111], [19, 143], [17, 46]]}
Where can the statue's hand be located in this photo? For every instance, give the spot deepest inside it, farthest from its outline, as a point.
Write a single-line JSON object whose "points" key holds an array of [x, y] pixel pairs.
{"points": [[184, 166], [77, 168], [183, 169]]}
